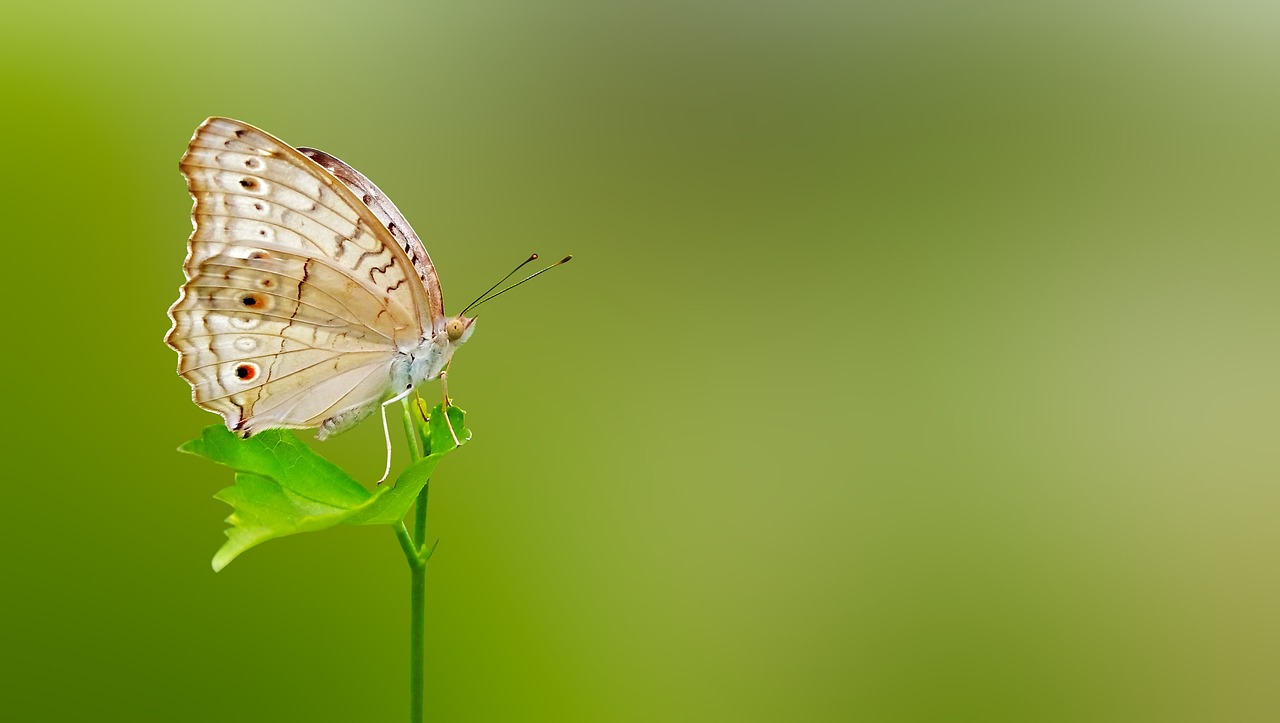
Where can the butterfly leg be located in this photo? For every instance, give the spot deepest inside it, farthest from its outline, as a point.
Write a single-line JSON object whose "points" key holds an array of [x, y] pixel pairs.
{"points": [[386, 433], [444, 386], [444, 383]]}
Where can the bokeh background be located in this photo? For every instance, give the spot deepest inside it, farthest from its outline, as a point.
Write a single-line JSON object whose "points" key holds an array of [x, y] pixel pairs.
{"points": [[918, 362]]}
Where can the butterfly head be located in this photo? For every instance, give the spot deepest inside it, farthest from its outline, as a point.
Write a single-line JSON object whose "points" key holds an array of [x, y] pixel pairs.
{"points": [[459, 329]]}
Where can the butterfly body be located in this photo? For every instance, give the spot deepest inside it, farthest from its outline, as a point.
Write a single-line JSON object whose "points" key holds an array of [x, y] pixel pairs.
{"points": [[309, 300]]}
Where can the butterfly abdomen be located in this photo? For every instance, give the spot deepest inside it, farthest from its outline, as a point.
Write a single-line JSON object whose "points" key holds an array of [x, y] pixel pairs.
{"points": [[341, 422]]}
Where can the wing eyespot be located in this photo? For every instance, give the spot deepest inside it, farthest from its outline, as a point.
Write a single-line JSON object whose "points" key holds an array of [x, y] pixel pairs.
{"points": [[246, 372]]}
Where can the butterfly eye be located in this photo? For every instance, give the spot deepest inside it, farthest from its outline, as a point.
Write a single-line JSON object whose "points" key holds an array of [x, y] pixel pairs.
{"points": [[454, 329]]}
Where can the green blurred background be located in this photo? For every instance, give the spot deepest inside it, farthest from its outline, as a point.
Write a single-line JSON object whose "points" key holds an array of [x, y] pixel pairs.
{"points": [[918, 363]]}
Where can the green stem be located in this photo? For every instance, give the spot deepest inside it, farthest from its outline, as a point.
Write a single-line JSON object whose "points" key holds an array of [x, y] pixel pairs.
{"points": [[411, 431], [418, 611], [417, 638], [406, 544], [413, 550]]}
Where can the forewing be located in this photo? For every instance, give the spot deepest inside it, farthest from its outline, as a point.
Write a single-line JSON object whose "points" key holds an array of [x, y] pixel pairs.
{"points": [[390, 216]]}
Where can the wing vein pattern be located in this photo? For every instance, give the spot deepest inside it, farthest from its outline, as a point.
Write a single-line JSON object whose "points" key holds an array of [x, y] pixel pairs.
{"points": [[300, 298]]}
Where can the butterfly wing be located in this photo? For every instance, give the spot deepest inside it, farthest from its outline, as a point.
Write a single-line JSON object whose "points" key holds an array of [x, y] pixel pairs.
{"points": [[390, 216], [298, 302]]}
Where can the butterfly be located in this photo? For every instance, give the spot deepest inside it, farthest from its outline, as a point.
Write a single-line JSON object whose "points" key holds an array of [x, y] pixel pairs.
{"points": [[309, 301]]}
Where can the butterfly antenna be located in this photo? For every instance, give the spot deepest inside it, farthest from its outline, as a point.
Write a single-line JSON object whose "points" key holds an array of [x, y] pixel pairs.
{"points": [[532, 257], [483, 299]]}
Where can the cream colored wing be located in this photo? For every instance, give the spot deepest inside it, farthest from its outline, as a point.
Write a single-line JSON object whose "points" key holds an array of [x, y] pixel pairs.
{"points": [[298, 300], [390, 216]]}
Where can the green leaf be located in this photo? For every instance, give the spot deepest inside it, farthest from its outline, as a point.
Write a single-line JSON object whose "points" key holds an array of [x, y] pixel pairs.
{"points": [[440, 438], [284, 487], [392, 506], [278, 454]]}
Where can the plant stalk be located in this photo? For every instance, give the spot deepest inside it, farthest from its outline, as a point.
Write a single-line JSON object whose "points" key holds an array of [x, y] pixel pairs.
{"points": [[418, 611], [413, 549]]}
